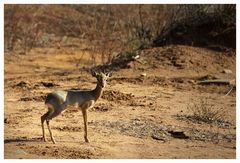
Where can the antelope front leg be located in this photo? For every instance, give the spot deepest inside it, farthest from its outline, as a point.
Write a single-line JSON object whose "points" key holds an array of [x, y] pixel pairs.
{"points": [[84, 112], [43, 132], [43, 118], [49, 129]]}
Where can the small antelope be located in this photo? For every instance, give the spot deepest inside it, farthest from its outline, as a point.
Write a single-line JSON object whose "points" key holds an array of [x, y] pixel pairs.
{"points": [[58, 101]]}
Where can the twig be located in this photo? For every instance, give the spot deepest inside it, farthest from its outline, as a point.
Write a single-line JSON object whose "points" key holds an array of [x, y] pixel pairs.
{"points": [[229, 91]]}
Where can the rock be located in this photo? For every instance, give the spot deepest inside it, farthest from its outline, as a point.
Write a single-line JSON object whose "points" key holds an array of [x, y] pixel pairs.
{"points": [[192, 81], [178, 134], [49, 84], [40, 69], [136, 57], [158, 137], [23, 84], [6, 120], [227, 71], [232, 82], [20, 152], [143, 74]]}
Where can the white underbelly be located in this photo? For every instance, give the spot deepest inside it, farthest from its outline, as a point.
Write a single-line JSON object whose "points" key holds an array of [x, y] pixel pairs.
{"points": [[71, 108]]}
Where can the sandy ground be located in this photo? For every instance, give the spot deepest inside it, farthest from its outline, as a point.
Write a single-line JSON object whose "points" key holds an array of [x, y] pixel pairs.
{"points": [[137, 116]]}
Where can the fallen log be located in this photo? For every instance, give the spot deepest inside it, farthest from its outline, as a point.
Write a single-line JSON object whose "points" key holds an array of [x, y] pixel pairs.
{"points": [[232, 83]]}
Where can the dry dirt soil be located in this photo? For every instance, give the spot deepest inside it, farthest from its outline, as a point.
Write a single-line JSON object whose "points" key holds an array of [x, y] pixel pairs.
{"points": [[139, 115]]}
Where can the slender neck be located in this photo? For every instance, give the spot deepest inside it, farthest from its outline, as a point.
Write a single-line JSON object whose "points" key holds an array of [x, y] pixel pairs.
{"points": [[97, 92]]}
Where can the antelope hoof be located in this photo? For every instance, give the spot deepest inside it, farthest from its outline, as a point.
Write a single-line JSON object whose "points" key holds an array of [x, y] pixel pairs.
{"points": [[44, 139], [54, 142], [86, 140]]}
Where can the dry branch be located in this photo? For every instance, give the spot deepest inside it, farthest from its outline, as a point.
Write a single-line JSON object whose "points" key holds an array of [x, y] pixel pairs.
{"points": [[229, 91]]}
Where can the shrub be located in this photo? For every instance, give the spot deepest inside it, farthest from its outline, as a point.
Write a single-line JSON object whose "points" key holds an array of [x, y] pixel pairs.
{"points": [[206, 112]]}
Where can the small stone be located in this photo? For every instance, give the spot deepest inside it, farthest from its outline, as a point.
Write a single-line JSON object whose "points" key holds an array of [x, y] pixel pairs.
{"points": [[192, 81], [143, 74], [21, 152], [136, 57], [227, 71]]}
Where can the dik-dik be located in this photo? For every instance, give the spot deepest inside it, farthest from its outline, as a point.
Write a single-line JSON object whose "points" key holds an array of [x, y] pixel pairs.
{"points": [[58, 101]]}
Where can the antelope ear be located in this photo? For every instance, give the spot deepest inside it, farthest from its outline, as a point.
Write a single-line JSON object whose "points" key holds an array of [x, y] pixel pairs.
{"points": [[94, 73], [109, 74]]}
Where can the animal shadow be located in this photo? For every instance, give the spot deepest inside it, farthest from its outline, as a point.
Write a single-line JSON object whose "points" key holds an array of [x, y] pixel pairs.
{"points": [[21, 140]]}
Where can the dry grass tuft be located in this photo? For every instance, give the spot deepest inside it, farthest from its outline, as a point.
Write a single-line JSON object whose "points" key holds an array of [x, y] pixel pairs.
{"points": [[205, 112]]}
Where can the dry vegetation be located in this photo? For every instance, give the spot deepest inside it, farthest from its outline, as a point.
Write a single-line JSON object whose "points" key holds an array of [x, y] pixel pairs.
{"points": [[154, 105]]}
